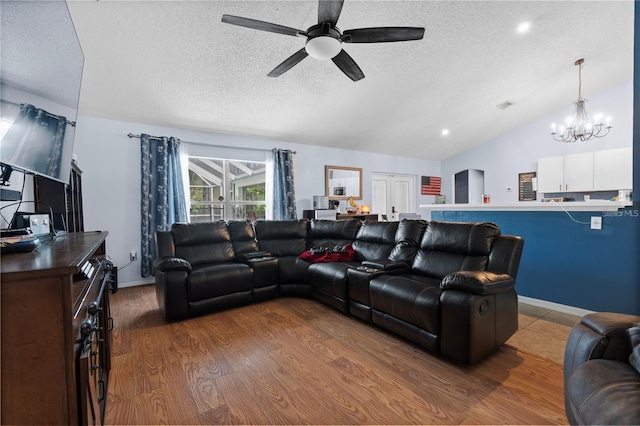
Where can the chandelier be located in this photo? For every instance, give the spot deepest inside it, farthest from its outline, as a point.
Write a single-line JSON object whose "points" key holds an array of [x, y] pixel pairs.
{"points": [[581, 127]]}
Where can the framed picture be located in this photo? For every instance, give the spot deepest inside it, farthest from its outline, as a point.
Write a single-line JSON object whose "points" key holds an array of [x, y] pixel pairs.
{"points": [[342, 183], [525, 187]]}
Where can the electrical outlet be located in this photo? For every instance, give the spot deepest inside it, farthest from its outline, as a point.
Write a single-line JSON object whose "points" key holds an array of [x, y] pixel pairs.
{"points": [[596, 222], [133, 256]]}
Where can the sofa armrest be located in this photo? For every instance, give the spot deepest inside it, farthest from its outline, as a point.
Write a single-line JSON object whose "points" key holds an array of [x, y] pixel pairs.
{"points": [[384, 264], [172, 275], [600, 335], [171, 264], [477, 282]]}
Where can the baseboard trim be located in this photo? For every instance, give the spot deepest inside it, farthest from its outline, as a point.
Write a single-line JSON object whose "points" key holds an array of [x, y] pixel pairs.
{"points": [[572, 310], [136, 283]]}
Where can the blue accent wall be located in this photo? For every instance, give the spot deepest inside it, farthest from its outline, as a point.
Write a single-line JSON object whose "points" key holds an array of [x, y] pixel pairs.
{"points": [[567, 262]]}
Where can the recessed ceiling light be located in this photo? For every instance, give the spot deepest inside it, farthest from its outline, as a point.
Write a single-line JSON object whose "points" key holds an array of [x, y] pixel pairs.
{"points": [[523, 27], [445, 132]]}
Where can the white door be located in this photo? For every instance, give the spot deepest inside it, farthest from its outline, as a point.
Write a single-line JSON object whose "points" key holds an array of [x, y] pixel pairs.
{"points": [[393, 194]]}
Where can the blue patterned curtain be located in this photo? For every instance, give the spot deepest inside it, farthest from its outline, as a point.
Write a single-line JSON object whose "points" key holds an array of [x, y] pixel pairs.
{"points": [[163, 199], [34, 141], [284, 195]]}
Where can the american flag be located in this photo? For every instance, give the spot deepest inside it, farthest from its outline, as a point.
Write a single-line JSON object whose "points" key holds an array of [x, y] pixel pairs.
{"points": [[431, 185]]}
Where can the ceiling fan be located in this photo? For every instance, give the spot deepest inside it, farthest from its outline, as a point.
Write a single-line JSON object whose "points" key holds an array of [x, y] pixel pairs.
{"points": [[324, 40]]}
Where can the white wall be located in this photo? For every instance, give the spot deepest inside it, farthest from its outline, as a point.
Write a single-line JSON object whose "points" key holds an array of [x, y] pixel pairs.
{"points": [[110, 162], [518, 151]]}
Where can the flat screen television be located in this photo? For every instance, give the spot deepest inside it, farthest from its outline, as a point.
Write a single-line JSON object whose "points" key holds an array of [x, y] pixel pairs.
{"points": [[41, 68]]}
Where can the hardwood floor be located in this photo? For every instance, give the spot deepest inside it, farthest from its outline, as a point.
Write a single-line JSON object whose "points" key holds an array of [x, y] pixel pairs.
{"points": [[542, 332], [296, 361]]}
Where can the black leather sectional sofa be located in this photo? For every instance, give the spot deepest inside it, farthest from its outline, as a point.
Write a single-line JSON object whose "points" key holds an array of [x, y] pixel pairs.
{"points": [[449, 287]]}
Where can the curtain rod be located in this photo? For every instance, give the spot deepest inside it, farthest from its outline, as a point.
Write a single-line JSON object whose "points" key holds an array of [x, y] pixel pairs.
{"points": [[71, 123], [131, 135]]}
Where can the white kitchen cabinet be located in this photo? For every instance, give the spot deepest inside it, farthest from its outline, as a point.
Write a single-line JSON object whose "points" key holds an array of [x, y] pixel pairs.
{"points": [[613, 169], [569, 173], [607, 170], [550, 174], [578, 172]]}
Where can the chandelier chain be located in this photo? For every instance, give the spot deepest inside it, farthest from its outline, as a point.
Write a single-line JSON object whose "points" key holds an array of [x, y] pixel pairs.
{"points": [[580, 81]]}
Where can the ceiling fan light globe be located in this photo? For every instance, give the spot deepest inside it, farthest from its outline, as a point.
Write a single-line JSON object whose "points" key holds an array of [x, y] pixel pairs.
{"points": [[323, 47]]}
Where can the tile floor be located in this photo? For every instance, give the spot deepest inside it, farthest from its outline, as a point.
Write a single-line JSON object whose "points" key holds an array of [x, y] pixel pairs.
{"points": [[542, 332]]}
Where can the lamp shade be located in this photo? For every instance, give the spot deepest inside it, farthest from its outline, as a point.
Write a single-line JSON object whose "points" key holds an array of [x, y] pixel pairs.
{"points": [[365, 208], [323, 47]]}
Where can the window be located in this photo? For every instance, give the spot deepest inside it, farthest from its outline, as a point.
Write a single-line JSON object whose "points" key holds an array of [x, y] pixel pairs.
{"points": [[226, 189]]}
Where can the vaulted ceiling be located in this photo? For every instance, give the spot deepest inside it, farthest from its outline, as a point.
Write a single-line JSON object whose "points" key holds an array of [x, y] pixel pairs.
{"points": [[174, 63]]}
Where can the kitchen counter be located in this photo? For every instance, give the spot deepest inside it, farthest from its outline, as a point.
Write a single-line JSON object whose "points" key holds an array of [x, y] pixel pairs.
{"points": [[592, 205]]}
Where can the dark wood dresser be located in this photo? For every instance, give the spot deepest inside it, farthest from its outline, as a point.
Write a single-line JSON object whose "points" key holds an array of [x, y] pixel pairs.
{"points": [[56, 331], [361, 216]]}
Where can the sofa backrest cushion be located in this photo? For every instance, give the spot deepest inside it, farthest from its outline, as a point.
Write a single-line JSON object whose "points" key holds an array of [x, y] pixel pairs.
{"points": [[448, 247], [407, 240], [331, 233], [282, 237], [203, 243], [243, 236], [375, 240]]}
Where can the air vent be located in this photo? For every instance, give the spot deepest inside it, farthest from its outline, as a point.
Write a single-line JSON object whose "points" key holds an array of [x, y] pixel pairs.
{"points": [[505, 105]]}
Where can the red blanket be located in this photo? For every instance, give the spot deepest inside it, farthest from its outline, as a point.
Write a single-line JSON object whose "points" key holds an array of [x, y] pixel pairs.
{"points": [[344, 254]]}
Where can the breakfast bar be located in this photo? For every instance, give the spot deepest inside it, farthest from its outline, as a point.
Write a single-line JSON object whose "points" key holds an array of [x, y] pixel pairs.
{"points": [[578, 206], [567, 258]]}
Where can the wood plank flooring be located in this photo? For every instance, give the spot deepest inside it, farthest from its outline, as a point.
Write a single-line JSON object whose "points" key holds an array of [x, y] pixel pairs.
{"points": [[296, 361]]}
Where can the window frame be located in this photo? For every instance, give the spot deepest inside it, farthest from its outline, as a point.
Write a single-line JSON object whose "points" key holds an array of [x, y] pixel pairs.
{"points": [[228, 207]]}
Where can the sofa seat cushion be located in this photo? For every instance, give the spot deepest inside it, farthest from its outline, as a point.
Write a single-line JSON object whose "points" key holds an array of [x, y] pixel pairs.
{"points": [[292, 270], [414, 299], [219, 279], [603, 391], [331, 277]]}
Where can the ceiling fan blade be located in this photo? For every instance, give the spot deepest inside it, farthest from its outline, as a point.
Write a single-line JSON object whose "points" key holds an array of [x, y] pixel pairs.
{"points": [[329, 11], [348, 66], [261, 25], [382, 34], [288, 63]]}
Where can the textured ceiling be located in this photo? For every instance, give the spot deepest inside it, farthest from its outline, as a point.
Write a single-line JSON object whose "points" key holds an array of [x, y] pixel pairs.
{"points": [[176, 64]]}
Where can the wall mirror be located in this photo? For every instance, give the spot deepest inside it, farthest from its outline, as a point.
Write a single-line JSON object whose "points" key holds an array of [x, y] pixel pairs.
{"points": [[342, 183]]}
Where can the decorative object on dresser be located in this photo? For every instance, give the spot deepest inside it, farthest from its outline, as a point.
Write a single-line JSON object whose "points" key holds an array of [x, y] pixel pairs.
{"points": [[65, 200], [56, 331], [363, 216]]}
